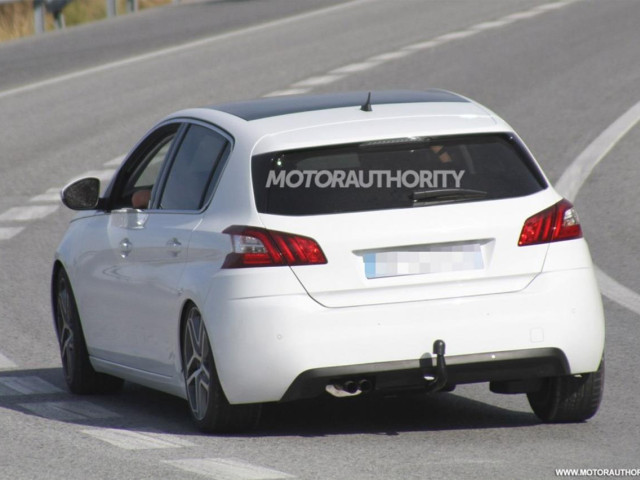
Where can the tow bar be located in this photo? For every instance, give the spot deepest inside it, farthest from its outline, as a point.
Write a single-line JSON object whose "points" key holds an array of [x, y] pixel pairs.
{"points": [[437, 380]]}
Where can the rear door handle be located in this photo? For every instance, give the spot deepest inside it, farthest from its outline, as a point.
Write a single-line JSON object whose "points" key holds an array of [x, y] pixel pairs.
{"points": [[125, 247], [174, 246]]}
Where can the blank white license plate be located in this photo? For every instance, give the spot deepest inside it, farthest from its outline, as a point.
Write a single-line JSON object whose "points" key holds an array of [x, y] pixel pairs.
{"points": [[424, 259]]}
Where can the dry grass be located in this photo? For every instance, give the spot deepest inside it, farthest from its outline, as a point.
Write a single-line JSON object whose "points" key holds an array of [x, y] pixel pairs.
{"points": [[16, 19]]}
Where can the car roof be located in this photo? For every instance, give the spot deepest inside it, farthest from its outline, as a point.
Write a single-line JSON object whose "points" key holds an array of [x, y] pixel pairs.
{"points": [[286, 105], [298, 121]]}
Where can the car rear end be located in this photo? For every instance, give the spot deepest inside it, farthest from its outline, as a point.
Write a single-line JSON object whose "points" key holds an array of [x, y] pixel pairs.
{"points": [[381, 235]]}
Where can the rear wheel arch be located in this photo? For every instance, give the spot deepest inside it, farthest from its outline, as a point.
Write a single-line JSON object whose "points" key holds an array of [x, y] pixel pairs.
{"points": [[188, 303], [209, 407]]}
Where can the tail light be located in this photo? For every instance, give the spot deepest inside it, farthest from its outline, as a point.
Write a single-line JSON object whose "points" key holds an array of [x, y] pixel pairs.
{"points": [[556, 223], [259, 247]]}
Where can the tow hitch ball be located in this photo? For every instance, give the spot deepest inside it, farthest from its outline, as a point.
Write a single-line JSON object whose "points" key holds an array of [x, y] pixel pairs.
{"points": [[437, 380]]}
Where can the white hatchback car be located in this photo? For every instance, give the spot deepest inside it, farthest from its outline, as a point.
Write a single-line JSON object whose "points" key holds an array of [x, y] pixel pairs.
{"points": [[292, 247]]}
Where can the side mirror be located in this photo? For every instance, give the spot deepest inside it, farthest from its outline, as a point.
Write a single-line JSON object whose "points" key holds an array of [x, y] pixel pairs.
{"points": [[82, 194]]}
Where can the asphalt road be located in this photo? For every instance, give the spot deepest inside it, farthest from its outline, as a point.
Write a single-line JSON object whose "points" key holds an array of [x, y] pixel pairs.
{"points": [[560, 76]]}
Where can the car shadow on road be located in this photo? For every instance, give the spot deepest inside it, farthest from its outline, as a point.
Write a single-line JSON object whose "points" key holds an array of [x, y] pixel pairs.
{"points": [[387, 415], [42, 393]]}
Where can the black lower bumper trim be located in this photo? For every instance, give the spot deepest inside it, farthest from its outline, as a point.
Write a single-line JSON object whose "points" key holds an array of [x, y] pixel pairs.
{"points": [[387, 377]]}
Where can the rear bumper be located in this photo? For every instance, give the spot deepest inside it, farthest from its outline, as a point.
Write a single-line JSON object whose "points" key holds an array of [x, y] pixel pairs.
{"points": [[409, 375], [281, 347]]}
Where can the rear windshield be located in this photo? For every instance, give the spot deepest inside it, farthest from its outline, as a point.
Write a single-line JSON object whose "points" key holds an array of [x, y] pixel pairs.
{"points": [[397, 173]]}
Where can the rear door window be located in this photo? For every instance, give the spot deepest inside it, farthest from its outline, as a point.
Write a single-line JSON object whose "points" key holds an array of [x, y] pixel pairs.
{"points": [[397, 173], [192, 176]]}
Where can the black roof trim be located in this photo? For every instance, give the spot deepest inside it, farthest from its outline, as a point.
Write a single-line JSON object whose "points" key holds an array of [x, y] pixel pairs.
{"points": [[276, 106]]}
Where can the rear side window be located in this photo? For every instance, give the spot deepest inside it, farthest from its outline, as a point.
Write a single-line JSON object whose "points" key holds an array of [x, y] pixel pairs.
{"points": [[398, 173], [191, 177]]}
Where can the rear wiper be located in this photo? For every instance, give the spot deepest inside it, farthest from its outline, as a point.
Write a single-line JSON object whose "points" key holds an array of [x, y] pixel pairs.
{"points": [[446, 195]]}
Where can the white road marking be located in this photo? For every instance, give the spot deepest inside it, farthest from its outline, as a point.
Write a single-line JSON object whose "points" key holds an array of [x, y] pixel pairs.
{"points": [[69, 411], [356, 67], [617, 292], [574, 177], [7, 233], [289, 91], [50, 196], [115, 162], [422, 45], [577, 173], [494, 24], [385, 57], [456, 35], [5, 363], [380, 59], [227, 469], [11, 386], [133, 440], [181, 48], [319, 80], [103, 175], [27, 214], [549, 6], [523, 15]]}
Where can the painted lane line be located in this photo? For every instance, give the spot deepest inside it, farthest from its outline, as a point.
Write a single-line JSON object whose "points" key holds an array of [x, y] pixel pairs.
{"points": [[316, 81], [184, 47], [227, 469], [385, 57], [617, 292], [11, 386], [549, 6], [27, 214], [7, 233], [457, 35], [407, 50], [574, 177], [68, 411], [523, 15], [115, 162], [422, 45], [355, 67], [133, 440], [493, 24], [50, 196], [289, 91], [5, 363], [104, 176]]}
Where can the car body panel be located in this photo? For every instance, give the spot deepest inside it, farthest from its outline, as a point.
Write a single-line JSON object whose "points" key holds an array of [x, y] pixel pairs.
{"points": [[294, 334]]}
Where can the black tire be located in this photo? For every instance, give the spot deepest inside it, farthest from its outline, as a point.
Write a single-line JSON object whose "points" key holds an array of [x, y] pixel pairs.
{"points": [[570, 398], [209, 407], [80, 376]]}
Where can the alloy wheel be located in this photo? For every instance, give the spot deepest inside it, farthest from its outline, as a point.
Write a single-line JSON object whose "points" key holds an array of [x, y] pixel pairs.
{"points": [[65, 332], [198, 364]]}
